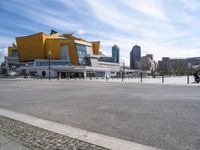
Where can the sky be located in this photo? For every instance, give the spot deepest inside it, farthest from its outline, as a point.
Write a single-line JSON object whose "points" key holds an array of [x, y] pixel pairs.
{"points": [[164, 28]]}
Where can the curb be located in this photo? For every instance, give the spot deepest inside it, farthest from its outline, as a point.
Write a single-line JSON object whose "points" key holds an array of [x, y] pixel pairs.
{"points": [[87, 136]]}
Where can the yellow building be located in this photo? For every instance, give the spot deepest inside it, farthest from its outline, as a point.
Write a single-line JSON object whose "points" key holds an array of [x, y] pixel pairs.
{"points": [[37, 46], [58, 54]]}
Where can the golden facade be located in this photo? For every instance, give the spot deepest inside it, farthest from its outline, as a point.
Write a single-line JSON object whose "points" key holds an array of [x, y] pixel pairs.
{"points": [[12, 51], [37, 46]]}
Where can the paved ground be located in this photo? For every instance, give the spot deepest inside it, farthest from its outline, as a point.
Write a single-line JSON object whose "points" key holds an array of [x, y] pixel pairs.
{"points": [[162, 116], [181, 80], [36, 138], [8, 144]]}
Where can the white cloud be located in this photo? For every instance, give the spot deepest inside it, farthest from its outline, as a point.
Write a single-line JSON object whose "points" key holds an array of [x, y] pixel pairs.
{"points": [[104, 52], [161, 27], [152, 8], [108, 14], [5, 41], [132, 23], [193, 5], [41, 14], [158, 48], [3, 53], [81, 32], [162, 35]]}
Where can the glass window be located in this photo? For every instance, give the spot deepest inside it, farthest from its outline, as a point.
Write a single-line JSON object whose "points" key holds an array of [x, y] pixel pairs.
{"points": [[80, 47], [82, 54], [89, 50], [65, 53], [81, 61], [14, 53]]}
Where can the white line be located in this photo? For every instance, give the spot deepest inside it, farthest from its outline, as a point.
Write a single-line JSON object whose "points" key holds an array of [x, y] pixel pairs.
{"points": [[87, 136]]}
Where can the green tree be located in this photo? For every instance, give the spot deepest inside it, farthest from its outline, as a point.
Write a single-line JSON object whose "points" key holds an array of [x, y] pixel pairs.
{"points": [[181, 68]]}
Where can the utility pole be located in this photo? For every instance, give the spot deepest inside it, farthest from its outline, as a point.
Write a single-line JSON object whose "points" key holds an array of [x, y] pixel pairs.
{"points": [[49, 65]]}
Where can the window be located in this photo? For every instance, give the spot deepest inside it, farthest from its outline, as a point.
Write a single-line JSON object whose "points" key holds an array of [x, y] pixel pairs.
{"points": [[65, 53], [89, 50], [15, 53], [82, 54], [80, 47]]}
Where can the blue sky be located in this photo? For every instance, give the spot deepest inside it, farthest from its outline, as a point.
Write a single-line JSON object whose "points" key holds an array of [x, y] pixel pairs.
{"points": [[161, 27]]}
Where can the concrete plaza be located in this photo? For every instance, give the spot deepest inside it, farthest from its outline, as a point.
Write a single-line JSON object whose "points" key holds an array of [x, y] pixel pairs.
{"points": [[165, 116]]}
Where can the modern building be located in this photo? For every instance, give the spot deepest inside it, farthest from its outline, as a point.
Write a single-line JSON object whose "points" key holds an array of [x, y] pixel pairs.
{"points": [[65, 54], [147, 63], [177, 66], [135, 56], [107, 59], [116, 53]]}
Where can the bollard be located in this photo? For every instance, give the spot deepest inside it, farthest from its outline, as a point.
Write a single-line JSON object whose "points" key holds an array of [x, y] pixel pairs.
{"points": [[141, 77]]}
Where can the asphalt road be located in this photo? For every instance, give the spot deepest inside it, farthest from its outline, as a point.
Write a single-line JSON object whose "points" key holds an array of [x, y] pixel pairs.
{"points": [[162, 116]]}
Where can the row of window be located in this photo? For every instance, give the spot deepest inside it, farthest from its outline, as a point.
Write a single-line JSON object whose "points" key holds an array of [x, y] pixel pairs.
{"points": [[52, 63], [108, 66]]}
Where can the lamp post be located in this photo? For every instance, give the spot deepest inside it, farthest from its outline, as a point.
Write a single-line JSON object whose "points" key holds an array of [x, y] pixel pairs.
{"points": [[26, 71], [188, 74], [123, 71], [141, 75], [49, 65], [163, 77]]}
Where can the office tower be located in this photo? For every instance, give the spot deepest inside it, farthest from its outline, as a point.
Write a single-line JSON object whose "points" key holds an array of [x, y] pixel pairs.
{"points": [[115, 53], [135, 56]]}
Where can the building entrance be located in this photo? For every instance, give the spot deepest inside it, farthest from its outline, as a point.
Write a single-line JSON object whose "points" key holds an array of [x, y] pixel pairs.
{"points": [[70, 75]]}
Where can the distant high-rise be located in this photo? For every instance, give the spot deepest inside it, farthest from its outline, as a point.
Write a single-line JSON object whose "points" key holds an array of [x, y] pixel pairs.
{"points": [[135, 56], [115, 53]]}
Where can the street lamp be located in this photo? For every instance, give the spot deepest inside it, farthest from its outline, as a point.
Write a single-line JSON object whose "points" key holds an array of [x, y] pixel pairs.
{"points": [[123, 67], [188, 74], [26, 72], [163, 77], [49, 65]]}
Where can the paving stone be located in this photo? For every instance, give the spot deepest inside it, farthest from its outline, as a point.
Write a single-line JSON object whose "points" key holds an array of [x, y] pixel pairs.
{"points": [[37, 138]]}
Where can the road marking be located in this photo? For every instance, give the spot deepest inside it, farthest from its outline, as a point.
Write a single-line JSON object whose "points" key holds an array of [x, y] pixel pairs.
{"points": [[87, 136]]}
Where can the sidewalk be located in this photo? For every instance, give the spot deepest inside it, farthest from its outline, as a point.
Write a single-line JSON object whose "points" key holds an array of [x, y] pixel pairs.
{"points": [[8, 144], [36, 133], [14, 134]]}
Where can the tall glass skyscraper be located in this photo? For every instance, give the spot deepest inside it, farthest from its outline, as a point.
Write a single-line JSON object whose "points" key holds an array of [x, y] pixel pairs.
{"points": [[135, 55], [115, 53]]}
